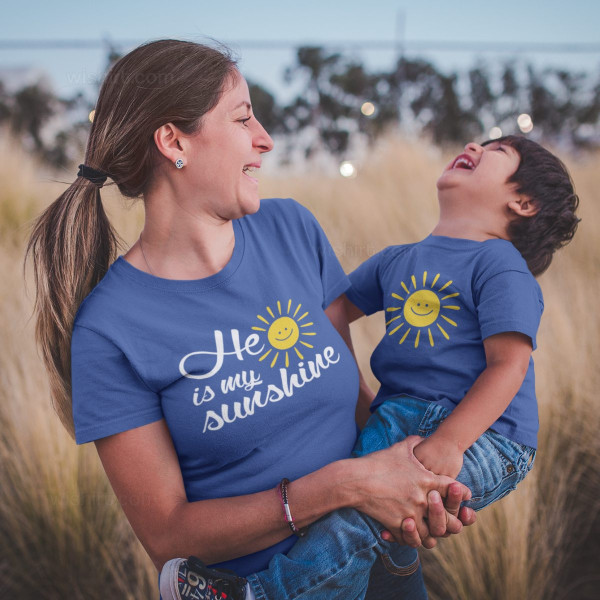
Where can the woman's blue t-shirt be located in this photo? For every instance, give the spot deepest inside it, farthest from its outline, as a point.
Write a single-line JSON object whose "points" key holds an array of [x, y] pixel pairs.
{"points": [[254, 382]]}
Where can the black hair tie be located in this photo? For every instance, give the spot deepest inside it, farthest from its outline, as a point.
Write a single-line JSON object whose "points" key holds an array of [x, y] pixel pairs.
{"points": [[96, 176]]}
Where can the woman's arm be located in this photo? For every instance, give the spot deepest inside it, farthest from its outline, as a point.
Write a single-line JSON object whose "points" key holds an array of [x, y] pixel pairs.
{"points": [[341, 313], [144, 471]]}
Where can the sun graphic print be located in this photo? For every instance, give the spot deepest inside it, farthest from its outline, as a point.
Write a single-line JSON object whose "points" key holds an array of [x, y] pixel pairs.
{"points": [[423, 309], [285, 332]]}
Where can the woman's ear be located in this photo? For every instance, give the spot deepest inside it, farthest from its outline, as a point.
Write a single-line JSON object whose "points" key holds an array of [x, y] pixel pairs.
{"points": [[523, 207], [168, 141]]}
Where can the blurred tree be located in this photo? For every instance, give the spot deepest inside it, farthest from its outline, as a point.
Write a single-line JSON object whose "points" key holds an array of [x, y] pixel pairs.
{"points": [[407, 88], [450, 122], [544, 107], [5, 104], [57, 155], [510, 85], [266, 109], [483, 100], [588, 113], [481, 93], [436, 105], [509, 104], [112, 56], [320, 106], [33, 107], [358, 87]]}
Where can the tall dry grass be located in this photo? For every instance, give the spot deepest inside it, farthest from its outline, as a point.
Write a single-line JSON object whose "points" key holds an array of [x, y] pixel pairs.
{"points": [[62, 533]]}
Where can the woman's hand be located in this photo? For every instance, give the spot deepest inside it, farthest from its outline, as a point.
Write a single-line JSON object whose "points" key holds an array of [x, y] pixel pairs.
{"points": [[448, 518], [391, 485], [444, 518]]}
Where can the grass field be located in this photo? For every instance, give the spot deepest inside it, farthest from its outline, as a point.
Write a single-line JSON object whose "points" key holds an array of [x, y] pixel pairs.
{"points": [[62, 533]]}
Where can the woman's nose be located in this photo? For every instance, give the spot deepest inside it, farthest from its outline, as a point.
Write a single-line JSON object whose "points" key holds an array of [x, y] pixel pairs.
{"points": [[262, 139]]}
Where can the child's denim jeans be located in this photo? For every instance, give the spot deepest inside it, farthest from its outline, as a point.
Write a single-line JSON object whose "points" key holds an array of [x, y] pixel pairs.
{"points": [[335, 558]]}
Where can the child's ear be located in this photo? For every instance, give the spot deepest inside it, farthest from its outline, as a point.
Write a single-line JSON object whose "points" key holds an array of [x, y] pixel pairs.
{"points": [[523, 207]]}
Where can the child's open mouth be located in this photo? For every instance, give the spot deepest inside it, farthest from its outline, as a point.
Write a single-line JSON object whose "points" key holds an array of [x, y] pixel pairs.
{"points": [[463, 162]]}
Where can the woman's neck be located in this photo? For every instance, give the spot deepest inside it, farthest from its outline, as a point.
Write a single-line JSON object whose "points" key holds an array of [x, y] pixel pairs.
{"points": [[182, 246]]}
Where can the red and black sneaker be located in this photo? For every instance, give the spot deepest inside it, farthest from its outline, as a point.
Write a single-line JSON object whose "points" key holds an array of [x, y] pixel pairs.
{"points": [[191, 579]]}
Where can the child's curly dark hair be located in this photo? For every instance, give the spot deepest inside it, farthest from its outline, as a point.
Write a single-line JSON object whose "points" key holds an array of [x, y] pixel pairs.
{"points": [[544, 179]]}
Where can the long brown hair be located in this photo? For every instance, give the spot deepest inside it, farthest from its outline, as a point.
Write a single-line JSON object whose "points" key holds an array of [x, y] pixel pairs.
{"points": [[72, 243]]}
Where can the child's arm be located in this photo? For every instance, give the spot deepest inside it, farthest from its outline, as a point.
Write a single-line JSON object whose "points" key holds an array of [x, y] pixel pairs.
{"points": [[507, 356]]}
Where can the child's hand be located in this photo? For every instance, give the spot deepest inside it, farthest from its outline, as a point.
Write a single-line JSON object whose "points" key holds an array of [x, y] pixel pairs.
{"points": [[439, 456]]}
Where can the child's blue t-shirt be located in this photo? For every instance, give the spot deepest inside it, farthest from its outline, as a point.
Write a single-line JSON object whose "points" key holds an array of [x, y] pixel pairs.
{"points": [[441, 298], [254, 382]]}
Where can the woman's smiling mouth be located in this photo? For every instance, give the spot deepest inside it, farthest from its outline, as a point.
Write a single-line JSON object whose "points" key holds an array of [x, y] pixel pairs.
{"points": [[247, 169]]}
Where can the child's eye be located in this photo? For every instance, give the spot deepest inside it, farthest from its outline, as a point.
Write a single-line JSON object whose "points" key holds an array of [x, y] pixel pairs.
{"points": [[501, 148]]}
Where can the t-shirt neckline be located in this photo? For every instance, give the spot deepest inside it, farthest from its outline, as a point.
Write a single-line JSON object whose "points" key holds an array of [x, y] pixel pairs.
{"points": [[445, 241], [122, 267]]}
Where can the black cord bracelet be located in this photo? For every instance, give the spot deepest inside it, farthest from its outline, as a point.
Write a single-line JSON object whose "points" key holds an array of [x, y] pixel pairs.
{"points": [[283, 494]]}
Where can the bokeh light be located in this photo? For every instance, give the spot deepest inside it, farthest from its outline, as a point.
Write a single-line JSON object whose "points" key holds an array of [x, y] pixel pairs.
{"points": [[495, 133], [368, 109], [91, 116], [525, 123], [347, 169]]}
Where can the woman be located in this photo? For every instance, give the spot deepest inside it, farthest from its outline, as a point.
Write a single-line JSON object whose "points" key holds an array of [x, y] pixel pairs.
{"points": [[205, 363]]}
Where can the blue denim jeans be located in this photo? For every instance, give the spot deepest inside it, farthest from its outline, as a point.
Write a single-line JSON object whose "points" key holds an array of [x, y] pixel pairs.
{"points": [[389, 582], [492, 466], [335, 558]]}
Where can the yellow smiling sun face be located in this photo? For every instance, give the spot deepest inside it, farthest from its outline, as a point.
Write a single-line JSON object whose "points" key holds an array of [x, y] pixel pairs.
{"points": [[285, 332], [422, 306]]}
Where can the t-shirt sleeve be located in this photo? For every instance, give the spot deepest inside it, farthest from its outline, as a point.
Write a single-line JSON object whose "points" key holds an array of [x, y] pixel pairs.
{"points": [[510, 301], [366, 291], [108, 395], [333, 278]]}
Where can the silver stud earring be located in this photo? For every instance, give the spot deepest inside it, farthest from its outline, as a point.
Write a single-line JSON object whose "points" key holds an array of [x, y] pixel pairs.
{"points": [[179, 163]]}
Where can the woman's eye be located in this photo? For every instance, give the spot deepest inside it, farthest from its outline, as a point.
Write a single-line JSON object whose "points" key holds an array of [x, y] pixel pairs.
{"points": [[244, 121]]}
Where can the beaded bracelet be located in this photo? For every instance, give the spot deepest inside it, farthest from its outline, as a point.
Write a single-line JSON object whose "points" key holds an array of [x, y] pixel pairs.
{"points": [[287, 515]]}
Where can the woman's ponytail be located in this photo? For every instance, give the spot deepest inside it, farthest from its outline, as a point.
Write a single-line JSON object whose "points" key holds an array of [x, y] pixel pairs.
{"points": [[72, 244]]}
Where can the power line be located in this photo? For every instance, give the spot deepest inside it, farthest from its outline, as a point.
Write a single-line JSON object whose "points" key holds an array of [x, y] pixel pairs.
{"points": [[420, 45]]}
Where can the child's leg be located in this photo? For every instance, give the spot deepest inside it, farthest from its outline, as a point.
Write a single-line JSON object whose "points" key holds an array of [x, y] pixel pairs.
{"points": [[335, 557], [492, 466], [333, 560], [389, 581]]}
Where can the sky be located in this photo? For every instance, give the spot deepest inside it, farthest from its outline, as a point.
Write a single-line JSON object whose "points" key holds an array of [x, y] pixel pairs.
{"points": [[509, 22]]}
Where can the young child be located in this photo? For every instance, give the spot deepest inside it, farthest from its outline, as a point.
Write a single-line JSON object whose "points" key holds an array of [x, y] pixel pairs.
{"points": [[462, 309]]}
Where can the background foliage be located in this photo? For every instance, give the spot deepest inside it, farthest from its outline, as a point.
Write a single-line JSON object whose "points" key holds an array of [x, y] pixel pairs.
{"points": [[325, 113]]}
